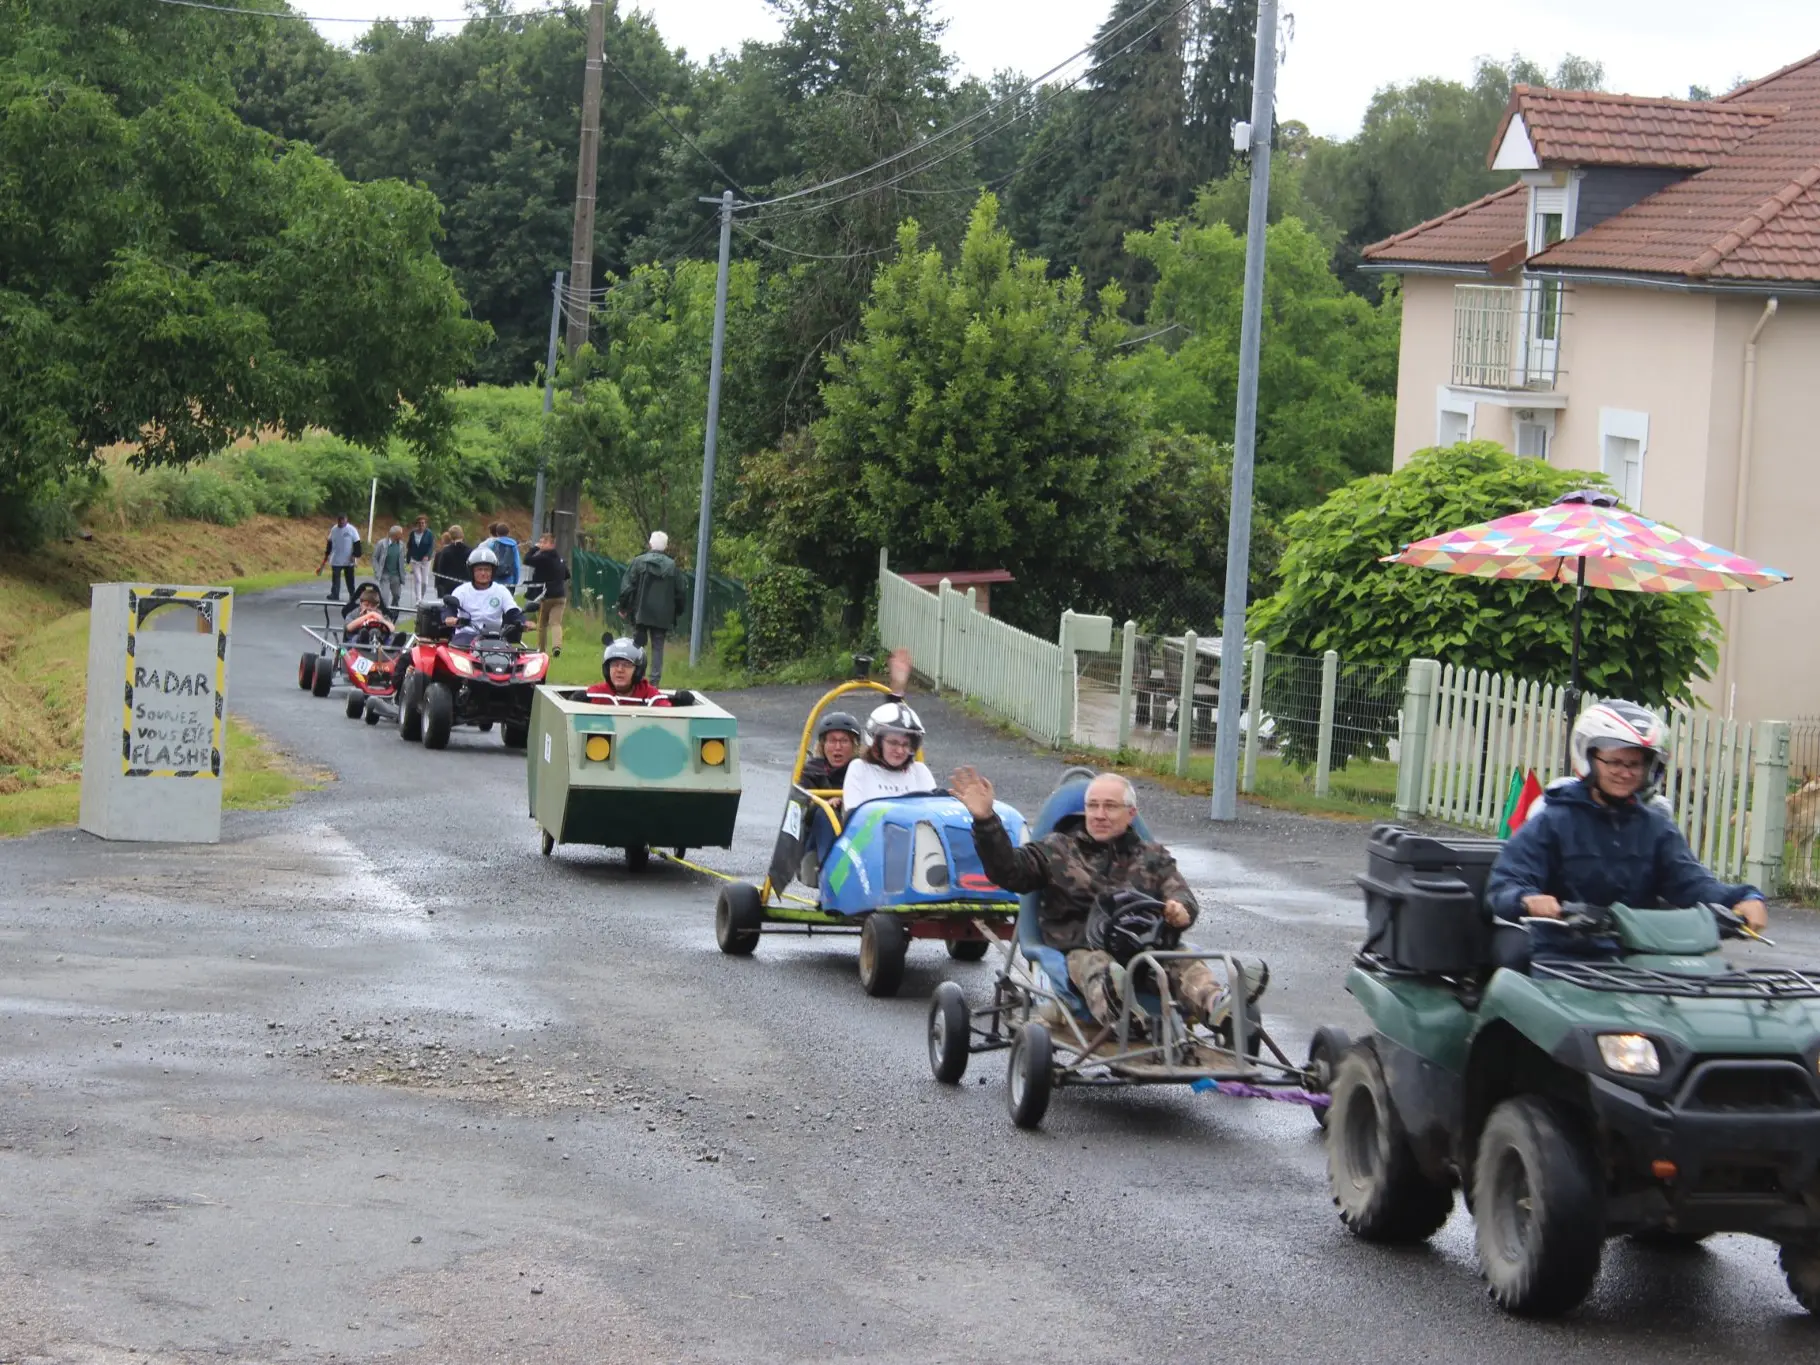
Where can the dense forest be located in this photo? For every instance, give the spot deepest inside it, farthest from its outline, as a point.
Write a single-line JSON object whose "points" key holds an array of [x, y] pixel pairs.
{"points": [[975, 320]]}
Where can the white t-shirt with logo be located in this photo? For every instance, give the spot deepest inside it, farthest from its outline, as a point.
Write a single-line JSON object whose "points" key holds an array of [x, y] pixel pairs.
{"points": [[484, 608], [342, 540], [868, 781]]}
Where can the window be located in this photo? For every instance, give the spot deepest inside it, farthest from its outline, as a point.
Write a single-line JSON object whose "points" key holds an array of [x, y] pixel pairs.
{"points": [[1453, 428], [930, 873], [1532, 440], [1623, 448]]}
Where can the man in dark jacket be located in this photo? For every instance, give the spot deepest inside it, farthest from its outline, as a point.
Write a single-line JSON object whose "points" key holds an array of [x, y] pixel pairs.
{"points": [[451, 562], [1598, 840], [1072, 868], [552, 575], [651, 597]]}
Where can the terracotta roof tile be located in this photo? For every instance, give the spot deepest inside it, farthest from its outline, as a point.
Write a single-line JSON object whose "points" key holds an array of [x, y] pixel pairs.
{"points": [[1592, 128], [1485, 232]]}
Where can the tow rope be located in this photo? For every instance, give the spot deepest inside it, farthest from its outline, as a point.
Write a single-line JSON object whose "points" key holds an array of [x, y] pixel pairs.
{"points": [[1242, 1090]]}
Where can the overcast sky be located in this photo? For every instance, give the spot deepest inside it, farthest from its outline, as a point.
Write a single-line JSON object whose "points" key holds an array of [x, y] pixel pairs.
{"points": [[1341, 50]]}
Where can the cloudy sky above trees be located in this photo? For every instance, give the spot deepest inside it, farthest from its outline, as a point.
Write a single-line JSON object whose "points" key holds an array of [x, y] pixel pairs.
{"points": [[1340, 50]]}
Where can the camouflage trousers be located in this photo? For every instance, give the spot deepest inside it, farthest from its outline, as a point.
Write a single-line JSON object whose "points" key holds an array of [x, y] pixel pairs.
{"points": [[1193, 984]]}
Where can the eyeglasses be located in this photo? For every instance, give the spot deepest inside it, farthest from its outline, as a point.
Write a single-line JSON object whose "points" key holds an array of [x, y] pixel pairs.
{"points": [[1106, 807], [1623, 765]]}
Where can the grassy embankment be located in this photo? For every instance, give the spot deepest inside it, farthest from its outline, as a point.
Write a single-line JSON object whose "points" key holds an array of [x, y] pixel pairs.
{"points": [[44, 653]]}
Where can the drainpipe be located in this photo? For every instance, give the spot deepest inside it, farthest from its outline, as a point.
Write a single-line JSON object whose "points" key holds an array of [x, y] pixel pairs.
{"points": [[1747, 424]]}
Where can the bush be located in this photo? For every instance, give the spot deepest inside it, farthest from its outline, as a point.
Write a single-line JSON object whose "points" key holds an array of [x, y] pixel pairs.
{"points": [[730, 642], [785, 606]]}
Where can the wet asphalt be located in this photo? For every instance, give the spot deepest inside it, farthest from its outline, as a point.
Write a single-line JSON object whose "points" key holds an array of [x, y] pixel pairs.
{"points": [[372, 1080]]}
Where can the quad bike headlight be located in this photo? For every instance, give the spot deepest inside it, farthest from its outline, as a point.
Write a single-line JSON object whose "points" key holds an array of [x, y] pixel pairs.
{"points": [[461, 664], [1629, 1054]]}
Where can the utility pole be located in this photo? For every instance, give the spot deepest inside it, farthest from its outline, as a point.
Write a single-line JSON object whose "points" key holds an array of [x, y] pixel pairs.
{"points": [[1245, 429], [698, 620], [549, 403], [581, 249]]}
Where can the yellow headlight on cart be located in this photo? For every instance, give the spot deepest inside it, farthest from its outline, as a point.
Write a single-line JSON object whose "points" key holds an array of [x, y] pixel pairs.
{"points": [[599, 748], [714, 752]]}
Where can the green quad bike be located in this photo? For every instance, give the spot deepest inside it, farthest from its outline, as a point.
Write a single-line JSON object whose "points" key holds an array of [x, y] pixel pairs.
{"points": [[1632, 1082]]}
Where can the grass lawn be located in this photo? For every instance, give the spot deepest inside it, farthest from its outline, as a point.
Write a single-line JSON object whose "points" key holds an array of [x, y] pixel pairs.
{"points": [[580, 661], [1363, 790]]}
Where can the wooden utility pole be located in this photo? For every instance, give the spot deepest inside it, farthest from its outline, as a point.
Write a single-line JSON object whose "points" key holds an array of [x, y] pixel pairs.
{"points": [[581, 248]]}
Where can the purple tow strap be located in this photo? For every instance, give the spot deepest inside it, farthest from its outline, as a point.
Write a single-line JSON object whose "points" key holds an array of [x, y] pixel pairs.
{"points": [[1241, 1090]]}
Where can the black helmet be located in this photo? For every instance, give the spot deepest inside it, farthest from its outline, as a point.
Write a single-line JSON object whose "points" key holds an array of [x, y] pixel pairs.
{"points": [[1126, 923], [833, 721]]}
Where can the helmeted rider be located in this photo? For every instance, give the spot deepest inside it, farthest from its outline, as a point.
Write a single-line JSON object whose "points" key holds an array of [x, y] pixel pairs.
{"points": [[1601, 840], [481, 603], [889, 765], [837, 740], [622, 680]]}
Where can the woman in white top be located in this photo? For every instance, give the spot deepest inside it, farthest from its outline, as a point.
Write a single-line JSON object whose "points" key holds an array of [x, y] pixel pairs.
{"points": [[889, 765]]}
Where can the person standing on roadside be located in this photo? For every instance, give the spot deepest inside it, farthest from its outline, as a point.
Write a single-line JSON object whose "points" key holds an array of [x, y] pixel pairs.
{"points": [[499, 541], [451, 562], [552, 575], [388, 564], [340, 555], [419, 550], [651, 597]]}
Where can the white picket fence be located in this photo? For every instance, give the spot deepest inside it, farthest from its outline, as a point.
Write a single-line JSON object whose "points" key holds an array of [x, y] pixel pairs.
{"points": [[1466, 732]]}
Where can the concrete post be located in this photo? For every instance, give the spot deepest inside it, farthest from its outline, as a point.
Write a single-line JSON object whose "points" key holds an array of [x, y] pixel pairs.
{"points": [[1330, 688], [1769, 807], [1254, 713], [1412, 756], [1184, 710], [1127, 660]]}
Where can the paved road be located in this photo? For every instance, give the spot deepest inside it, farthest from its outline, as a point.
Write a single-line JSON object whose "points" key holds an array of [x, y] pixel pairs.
{"points": [[374, 1081]]}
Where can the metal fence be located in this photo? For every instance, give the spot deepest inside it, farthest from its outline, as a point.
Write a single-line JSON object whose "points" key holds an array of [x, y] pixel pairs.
{"points": [[595, 581], [1470, 735], [1508, 336]]}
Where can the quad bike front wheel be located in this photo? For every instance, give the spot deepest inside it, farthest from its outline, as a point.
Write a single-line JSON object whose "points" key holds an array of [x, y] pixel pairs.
{"points": [[1539, 1205], [438, 715], [1382, 1193]]}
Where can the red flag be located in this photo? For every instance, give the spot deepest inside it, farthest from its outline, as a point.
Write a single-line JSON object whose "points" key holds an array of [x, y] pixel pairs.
{"points": [[1526, 798]]}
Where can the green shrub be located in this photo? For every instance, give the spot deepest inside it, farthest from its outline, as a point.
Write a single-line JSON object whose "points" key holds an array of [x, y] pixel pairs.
{"points": [[785, 606], [730, 642], [207, 494]]}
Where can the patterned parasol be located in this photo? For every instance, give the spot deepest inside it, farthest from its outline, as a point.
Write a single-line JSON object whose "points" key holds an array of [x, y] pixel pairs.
{"points": [[1586, 539]]}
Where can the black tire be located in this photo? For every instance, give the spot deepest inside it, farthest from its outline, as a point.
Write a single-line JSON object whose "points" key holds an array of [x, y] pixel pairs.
{"points": [[1539, 1209], [1324, 1052], [968, 949], [884, 941], [1801, 1267], [1662, 1239], [410, 707], [483, 726], [514, 735], [370, 712], [638, 858], [739, 917], [1029, 1079], [547, 844], [950, 1030], [438, 715], [306, 670], [324, 677], [1382, 1194], [357, 704]]}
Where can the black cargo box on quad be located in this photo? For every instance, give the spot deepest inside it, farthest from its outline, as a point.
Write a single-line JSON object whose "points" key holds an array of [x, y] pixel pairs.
{"points": [[1425, 900]]}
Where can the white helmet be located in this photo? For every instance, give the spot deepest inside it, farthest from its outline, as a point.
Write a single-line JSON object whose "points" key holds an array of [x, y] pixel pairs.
{"points": [[893, 718], [482, 555], [624, 650], [1620, 725]]}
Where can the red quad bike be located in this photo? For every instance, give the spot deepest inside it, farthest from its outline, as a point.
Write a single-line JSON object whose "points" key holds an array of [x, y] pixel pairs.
{"points": [[374, 657], [466, 678]]}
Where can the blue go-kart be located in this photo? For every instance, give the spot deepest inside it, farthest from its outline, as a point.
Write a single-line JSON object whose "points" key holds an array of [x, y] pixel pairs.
{"points": [[1054, 1041], [892, 870]]}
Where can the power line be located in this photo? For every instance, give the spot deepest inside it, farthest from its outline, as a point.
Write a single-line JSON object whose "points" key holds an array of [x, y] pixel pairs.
{"points": [[687, 141], [977, 114], [810, 255], [341, 19]]}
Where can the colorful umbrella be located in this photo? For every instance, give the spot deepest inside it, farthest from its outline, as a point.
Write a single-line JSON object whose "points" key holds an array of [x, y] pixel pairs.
{"points": [[1586, 539]]}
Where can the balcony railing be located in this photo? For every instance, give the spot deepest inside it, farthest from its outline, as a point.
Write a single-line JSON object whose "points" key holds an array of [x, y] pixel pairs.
{"points": [[1508, 336]]}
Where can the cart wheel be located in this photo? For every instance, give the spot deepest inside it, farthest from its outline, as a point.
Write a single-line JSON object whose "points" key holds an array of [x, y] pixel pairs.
{"points": [[1030, 1079], [357, 704], [967, 949], [681, 853], [514, 736], [738, 918], [370, 713], [950, 1027], [1538, 1209], [638, 858], [549, 843], [410, 707], [438, 715], [306, 670], [1801, 1268], [1324, 1053], [483, 726], [884, 940], [324, 677], [1383, 1195]]}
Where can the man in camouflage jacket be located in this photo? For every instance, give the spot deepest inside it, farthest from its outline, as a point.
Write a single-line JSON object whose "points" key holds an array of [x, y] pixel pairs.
{"points": [[1071, 868]]}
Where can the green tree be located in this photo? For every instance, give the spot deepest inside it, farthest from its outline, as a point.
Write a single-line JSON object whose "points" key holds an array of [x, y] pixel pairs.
{"points": [[1335, 593], [171, 277], [630, 420], [1327, 369]]}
